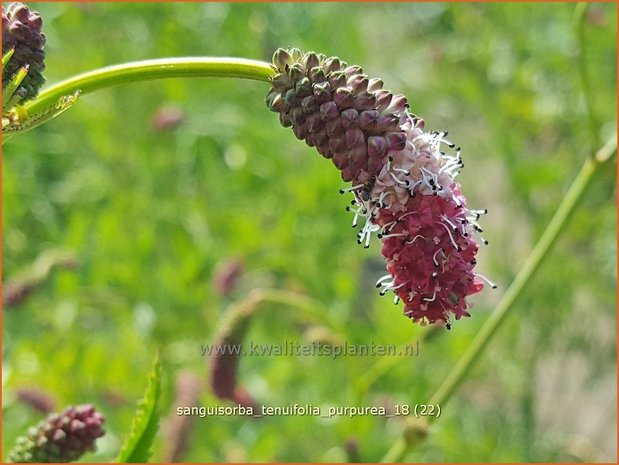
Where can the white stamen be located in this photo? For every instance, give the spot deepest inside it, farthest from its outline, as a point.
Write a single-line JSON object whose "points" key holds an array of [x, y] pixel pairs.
{"points": [[399, 286], [450, 236], [446, 219], [366, 232], [381, 199], [390, 167], [429, 178], [414, 239], [434, 256], [350, 189], [415, 184], [389, 286], [399, 181], [358, 212], [494, 286], [433, 297], [384, 278], [367, 240], [479, 212], [389, 226], [406, 214], [389, 236], [481, 237], [475, 225]]}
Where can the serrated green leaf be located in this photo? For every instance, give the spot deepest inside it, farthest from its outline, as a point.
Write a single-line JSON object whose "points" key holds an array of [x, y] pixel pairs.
{"points": [[137, 447]]}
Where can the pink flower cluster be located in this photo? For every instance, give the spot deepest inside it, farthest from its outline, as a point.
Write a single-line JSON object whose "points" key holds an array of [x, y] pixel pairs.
{"points": [[425, 226]]}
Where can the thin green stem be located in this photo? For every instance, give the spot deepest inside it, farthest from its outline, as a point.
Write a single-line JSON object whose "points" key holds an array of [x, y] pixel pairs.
{"points": [[515, 290], [396, 452], [308, 308], [149, 70], [581, 63], [528, 270]]}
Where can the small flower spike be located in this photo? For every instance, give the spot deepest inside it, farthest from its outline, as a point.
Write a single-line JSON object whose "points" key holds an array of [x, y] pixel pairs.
{"points": [[63, 437], [402, 180], [21, 34]]}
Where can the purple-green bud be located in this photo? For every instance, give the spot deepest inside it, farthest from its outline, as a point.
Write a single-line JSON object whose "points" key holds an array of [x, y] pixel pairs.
{"points": [[282, 59], [21, 30], [60, 438]]}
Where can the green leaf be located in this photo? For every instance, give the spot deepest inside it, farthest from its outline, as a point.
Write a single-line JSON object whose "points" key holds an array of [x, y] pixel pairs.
{"points": [[19, 120], [138, 445], [7, 56], [7, 92]]}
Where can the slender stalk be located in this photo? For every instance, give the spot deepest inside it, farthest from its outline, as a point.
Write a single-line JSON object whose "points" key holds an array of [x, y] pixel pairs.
{"points": [[511, 296], [307, 308], [581, 63], [149, 70], [396, 452], [530, 267]]}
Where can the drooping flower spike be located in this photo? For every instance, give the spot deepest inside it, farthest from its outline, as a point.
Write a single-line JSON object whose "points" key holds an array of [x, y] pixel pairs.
{"points": [[403, 182]]}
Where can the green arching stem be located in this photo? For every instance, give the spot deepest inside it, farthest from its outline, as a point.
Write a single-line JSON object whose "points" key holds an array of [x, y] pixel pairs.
{"points": [[149, 70], [308, 308], [515, 290]]}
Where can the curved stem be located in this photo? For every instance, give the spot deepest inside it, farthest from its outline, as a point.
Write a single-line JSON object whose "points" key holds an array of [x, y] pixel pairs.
{"points": [[149, 70], [511, 296]]}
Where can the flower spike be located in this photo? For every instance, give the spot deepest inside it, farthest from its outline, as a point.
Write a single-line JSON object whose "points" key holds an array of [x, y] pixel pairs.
{"points": [[403, 181], [63, 437]]}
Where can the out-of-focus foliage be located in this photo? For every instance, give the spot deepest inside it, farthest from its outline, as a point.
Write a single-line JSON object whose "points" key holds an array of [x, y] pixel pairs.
{"points": [[138, 445], [152, 210]]}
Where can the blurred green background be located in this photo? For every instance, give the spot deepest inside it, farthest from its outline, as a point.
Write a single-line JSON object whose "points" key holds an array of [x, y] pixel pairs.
{"points": [[152, 214]]}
